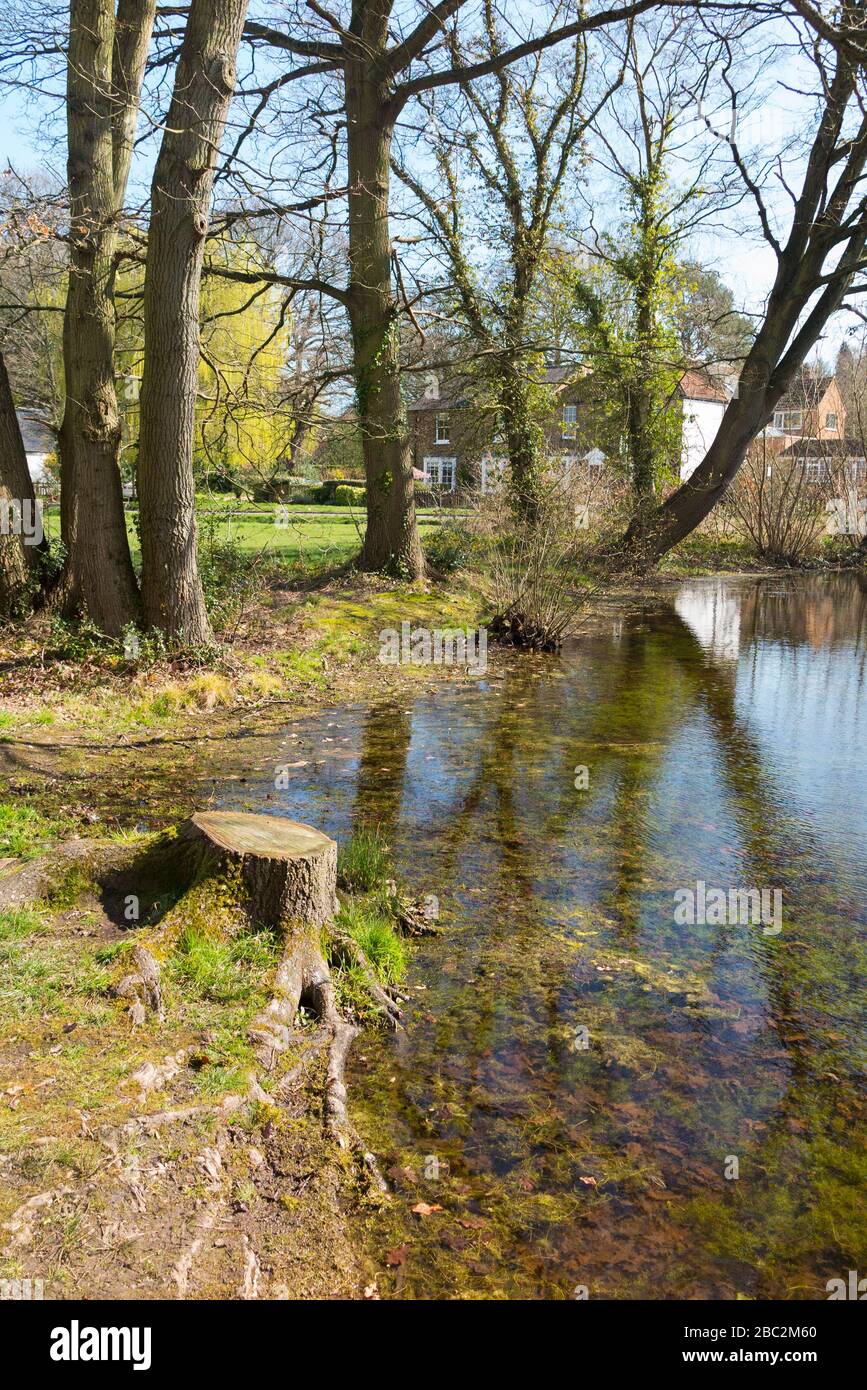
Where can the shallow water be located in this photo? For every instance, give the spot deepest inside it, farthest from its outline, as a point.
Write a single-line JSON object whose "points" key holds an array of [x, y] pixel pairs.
{"points": [[723, 732]]}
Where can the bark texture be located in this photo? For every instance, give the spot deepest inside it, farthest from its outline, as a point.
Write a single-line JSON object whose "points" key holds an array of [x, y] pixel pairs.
{"points": [[102, 104], [180, 205], [289, 869], [391, 541]]}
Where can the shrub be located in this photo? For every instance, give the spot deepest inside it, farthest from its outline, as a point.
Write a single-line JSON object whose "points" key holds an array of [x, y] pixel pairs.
{"points": [[349, 496], [451, 547], [326, 493], [532, 577], [781, 505]]}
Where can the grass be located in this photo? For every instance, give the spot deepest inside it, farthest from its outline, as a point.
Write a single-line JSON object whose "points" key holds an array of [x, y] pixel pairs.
{"points": [[24, 833], [364, 861], [224, 971], [374, 931], [323, 535], [20, 922], [39, 979], [290, 647]]}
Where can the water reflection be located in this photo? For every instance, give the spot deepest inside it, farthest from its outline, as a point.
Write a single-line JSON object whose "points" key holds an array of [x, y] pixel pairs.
{"points": [[724, 736]]}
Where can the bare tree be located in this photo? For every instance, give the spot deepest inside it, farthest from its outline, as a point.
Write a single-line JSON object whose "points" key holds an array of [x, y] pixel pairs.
{"points": [[381, 65], [818, 264], [511, 140], [626, 285]]}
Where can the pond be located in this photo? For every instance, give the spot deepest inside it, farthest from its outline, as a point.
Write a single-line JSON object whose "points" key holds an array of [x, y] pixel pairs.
{"points": [[599, 1095]]}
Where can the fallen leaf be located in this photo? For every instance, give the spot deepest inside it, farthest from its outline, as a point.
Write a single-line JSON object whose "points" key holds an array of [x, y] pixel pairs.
{"points": [[399, 1174], [424, 1209], [397, 1256]]}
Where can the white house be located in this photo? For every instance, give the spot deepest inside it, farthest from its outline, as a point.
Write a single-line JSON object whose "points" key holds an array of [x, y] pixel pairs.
{"points": [[704, 402], [39, 442]]}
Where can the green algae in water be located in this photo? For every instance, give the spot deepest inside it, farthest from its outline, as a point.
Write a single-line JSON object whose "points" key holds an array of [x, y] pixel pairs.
{"points": [[724, 735], [711, 757]]}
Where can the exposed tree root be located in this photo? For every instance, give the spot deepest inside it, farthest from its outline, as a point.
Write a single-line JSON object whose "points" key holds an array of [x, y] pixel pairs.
{"points": [[252, 1272], [37, 879], [385, 1004], [304, 980], [21, 1223], [142, 986], [234, 873]]}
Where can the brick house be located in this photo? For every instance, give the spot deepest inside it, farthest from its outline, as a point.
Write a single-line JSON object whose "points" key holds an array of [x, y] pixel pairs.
{"points": [[809, 429], [812, 408], [456, 445], [809, 425]]}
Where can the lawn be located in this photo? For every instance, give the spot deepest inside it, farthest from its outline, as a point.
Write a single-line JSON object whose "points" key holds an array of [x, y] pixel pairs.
{"points": [[313, 535]]}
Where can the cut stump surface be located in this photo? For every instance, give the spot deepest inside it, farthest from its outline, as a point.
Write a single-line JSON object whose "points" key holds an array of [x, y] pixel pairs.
{"points": [[289, 869]]}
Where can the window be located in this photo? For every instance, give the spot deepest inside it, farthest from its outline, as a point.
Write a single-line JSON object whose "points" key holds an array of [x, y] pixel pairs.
{"points": [[817, 470], [442, 429], [831, 420], [570, 422], [440, 473], [791, 420]]}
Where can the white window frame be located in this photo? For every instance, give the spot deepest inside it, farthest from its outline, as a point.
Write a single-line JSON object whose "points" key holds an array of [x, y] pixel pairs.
{"points": [[829, 416], [568, 425], [433, 472], [442, 428], [817, 469], [784, 420]]}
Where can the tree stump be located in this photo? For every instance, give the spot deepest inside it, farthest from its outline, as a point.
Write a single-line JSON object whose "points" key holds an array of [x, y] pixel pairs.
{"points": [[288, 868]]}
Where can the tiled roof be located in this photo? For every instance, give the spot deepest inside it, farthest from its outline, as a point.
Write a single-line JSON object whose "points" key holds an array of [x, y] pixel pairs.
{"points": [[805, 391], [700, 386], [825, 448]]}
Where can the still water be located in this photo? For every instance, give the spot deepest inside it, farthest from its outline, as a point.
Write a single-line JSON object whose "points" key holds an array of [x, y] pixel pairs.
{"points": [[597, 1096]]}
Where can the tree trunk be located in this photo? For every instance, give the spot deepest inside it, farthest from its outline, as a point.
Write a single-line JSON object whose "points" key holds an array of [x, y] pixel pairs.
{"points": [[650, 537], [93, 525], [180, 204], [19, 562], [132, 37], [392, 541], [288, 868], [523, 440], [638, 414]]}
